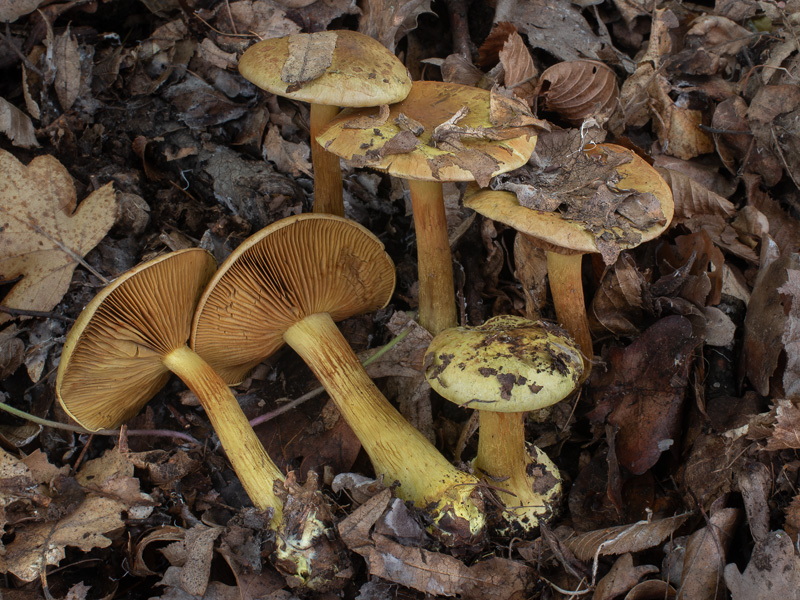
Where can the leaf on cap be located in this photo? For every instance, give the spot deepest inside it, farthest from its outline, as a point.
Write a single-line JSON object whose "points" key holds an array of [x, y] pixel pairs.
{"points": [[310, 56]]}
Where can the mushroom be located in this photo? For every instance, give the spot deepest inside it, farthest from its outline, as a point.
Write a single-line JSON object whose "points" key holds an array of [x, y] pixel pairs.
{"points": [[289, 283], [330, 69], [128, 339], [566, 241], [121, 351], [504, 368], [440, 132]]}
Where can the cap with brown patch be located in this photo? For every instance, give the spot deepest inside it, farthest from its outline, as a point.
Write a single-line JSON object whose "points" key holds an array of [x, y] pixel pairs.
{"points": [[508, 364], [339, 68], [420, 139]]}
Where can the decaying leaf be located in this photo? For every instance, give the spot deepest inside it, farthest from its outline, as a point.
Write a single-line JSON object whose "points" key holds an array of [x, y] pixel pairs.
{"points": [[428, 572], [621, 578], [67, 62], [11, 10], [766, 320], [80, 512], [580, 89], [520, 71], [643, 391], [309, 58], [17, 125], [624, 538], [389, 20], [773, 571], [706, 555], [557, 27], [44, 236], [693, 198], [289, 157], [786, 432]]}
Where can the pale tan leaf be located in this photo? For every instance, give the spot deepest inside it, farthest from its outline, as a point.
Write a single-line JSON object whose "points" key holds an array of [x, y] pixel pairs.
{"points": [[520, 72], [693, 198], [389, 20], [289, 157], [11, 10], [786, 432], [624, 538], [558, 27], [309, 57], [677, 126], [17, 125], [621, 578], [67, 61], [773, 571], [706, 553], [580, 89], [791, 335], [44, 237]]}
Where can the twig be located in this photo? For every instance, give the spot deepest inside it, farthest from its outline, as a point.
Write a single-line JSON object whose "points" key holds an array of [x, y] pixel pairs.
{"points": [[317, 391], [77, 429], [20, 312]]}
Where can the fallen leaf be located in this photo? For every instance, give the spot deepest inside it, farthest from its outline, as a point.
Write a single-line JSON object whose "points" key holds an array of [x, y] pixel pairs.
{"points": [[11, 10], [706, 554], [624, 538], [766, 320], [580, 89], [693, 198], [621, 578], [290, 158], [557, 27], [17, 125], [773, 571], [520, 71], [310, 55], [786, 432], [67, 62], [644, 389], [44, 236], [389, 20]]}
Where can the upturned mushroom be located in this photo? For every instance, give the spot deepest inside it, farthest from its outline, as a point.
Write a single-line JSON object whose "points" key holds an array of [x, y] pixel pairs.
{"points": [[330, 69], [131, 336], [505, 368], [566, 240], [440, 132], [288, 284], [121, 351]]}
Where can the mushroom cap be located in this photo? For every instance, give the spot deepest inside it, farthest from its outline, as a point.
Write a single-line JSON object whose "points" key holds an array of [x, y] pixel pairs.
{"points": [[339, 68], [296, 267], [574, 236], [111, 364], [431, 103], [508, 364]]}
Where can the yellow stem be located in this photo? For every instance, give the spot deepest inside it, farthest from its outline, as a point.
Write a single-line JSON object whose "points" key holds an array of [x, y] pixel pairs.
{"points": [[566, 288], [251, 462], [398, 451], [327, 169], [437, 301]]}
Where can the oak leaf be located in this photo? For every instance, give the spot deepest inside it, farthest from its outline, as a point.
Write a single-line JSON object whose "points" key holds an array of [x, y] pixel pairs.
{"points": [[42, 236]]}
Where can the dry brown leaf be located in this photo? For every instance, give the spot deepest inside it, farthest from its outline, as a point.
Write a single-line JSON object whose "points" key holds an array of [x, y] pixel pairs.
{"points": [[766, 322], [621, 578], [289, 157], [558, 27], [618, 307], [67, 62], [77, 517], [773, 571], [791, 334], [783, 228], [389, 20], [786, 432], [309, 58], [262, 19], [11, 10], [693, 198], [520, 72], [44, 237], [624, 538], [17, 125], [580, 89], [706, 553], [677, 126], [772, 115]]}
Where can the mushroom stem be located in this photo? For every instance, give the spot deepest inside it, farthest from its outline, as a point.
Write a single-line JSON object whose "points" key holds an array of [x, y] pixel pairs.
{"points": [[327, 168], [251, 462], [398, 451], [566, 288], [528, 486], [437, 301]]}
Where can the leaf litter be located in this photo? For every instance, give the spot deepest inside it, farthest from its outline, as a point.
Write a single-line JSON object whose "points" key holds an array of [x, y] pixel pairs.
{"points": [[691, 414]]}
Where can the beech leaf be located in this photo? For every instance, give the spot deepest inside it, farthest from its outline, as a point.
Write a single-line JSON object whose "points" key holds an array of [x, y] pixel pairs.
{"points": [[44, 237]]}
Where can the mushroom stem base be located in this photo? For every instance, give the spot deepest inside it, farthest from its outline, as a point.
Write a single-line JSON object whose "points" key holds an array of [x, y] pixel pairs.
{"points": [[398, 451], [251, 462], [527, 483]]}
